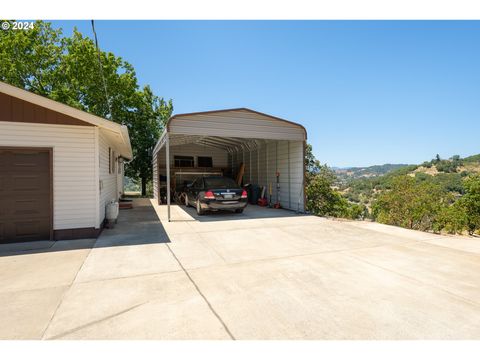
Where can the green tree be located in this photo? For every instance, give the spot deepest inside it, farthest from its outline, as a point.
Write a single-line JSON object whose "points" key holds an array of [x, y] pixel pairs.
{"points": [[357, 211], [150, 118], [83, 84], [29, 59], [67, 69], [452, 219], [410, 204], [471, 203], [312, 165], [322, 200]]}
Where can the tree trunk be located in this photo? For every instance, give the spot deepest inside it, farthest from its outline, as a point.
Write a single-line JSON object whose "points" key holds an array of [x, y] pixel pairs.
{"points": [[144, 186]]}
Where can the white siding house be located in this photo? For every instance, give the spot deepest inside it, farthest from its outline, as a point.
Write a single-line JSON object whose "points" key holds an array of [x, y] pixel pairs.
{"points": [[111, 180], [84, 172], [73, 173]]}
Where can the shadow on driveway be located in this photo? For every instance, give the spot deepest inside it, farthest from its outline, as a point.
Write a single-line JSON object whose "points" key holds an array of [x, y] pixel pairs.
{"points": [[250, 212], [136, 226]]}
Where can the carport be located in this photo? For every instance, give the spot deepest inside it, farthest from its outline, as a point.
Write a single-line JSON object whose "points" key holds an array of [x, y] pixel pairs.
{"points": [[266, 150]]}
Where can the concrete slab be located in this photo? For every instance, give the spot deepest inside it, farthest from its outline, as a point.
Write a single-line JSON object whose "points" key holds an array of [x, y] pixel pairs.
{"points": [[332, 296], [335, 236], [253, 239], [193, 251], [415, 235], [455, 271], [124, 261], [31, 271], [249, 219], [165, 306], [35, 247], [13, 248], [471, 245], [135, 246], [26, 314]]}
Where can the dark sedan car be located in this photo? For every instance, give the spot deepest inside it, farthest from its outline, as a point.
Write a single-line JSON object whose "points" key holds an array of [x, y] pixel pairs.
{"points": [[215, 193]]}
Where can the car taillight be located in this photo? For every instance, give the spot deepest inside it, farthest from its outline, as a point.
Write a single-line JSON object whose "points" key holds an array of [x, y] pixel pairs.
{"points": [[244, 194], [209, 195]]}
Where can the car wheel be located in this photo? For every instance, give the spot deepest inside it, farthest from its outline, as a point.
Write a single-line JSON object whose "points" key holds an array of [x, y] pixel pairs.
{"points": [[238, 211], [186, 201], [200, 211]]}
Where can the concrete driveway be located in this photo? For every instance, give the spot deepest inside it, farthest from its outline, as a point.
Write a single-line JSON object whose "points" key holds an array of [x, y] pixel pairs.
{"points": [[264, 274]]}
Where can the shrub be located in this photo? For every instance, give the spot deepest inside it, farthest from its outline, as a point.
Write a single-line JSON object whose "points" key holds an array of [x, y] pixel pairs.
{"points": [[357, 211], [471, 203], [452, 219], [322, 199], [409, 204]]}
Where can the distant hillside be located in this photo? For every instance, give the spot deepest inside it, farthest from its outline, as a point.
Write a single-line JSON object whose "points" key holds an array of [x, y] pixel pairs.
{"points": [[362, 185], [350, 173], [439, 196], [472, 159]]}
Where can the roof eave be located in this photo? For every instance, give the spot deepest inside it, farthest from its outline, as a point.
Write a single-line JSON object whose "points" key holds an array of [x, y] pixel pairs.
{"points": [[235, 109], [69, 111]]}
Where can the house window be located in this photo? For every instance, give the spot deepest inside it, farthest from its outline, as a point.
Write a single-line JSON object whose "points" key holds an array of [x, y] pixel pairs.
{"points": [[183, 161], [205, 161], [112, 160]]}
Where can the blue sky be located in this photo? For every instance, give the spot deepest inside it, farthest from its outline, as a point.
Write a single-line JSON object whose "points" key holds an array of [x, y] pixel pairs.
{"points": [[368, 92]]}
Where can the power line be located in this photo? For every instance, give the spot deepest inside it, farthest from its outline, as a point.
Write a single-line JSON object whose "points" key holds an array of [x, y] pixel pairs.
{"points": [[101, 70]]}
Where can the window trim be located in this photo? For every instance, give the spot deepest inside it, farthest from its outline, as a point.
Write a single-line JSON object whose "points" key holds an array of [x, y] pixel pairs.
{"points": [[205, 157], [184, 158], [112, 159]]}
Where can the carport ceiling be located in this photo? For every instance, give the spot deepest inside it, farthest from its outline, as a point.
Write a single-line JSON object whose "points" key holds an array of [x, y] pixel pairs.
{"points": [[229, 144]]}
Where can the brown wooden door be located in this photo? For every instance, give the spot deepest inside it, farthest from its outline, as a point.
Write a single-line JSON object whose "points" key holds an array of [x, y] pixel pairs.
{"points": [[25, 195]]}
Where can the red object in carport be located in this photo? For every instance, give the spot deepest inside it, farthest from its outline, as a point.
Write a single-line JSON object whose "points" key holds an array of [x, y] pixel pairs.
{"points": [[262, 202], [125, 205]]}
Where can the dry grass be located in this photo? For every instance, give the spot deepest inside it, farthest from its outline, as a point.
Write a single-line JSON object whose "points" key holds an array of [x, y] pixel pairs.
{"points": [[422, 169]]}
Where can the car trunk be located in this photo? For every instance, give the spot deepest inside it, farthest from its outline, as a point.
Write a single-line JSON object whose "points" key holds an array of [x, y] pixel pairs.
{"points": [[227, 194]]}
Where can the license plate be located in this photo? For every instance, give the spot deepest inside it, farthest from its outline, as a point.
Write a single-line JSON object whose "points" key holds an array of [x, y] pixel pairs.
{"points": [[228, 196]]}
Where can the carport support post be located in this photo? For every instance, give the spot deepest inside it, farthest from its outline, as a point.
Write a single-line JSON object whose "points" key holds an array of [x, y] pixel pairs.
{"points": [[167, 152]]}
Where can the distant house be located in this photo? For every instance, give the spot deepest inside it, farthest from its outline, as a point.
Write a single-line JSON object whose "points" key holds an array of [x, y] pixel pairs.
{"points": [[59, 166]]}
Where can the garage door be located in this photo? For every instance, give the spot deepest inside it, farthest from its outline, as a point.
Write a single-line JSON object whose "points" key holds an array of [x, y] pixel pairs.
{"points": [[25, 195]]}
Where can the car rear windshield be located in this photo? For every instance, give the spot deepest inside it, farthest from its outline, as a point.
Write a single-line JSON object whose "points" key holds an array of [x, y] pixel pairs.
{"points": [[220, 183]]}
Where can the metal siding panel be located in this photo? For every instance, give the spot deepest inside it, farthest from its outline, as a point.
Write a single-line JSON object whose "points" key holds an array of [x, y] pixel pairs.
{"points": [[219, 156], [236, 123], [253, 167], [214, 122], [283, 170], [241, 133], [296, 165], [262, 167], [269, 163], [155, 176]]}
